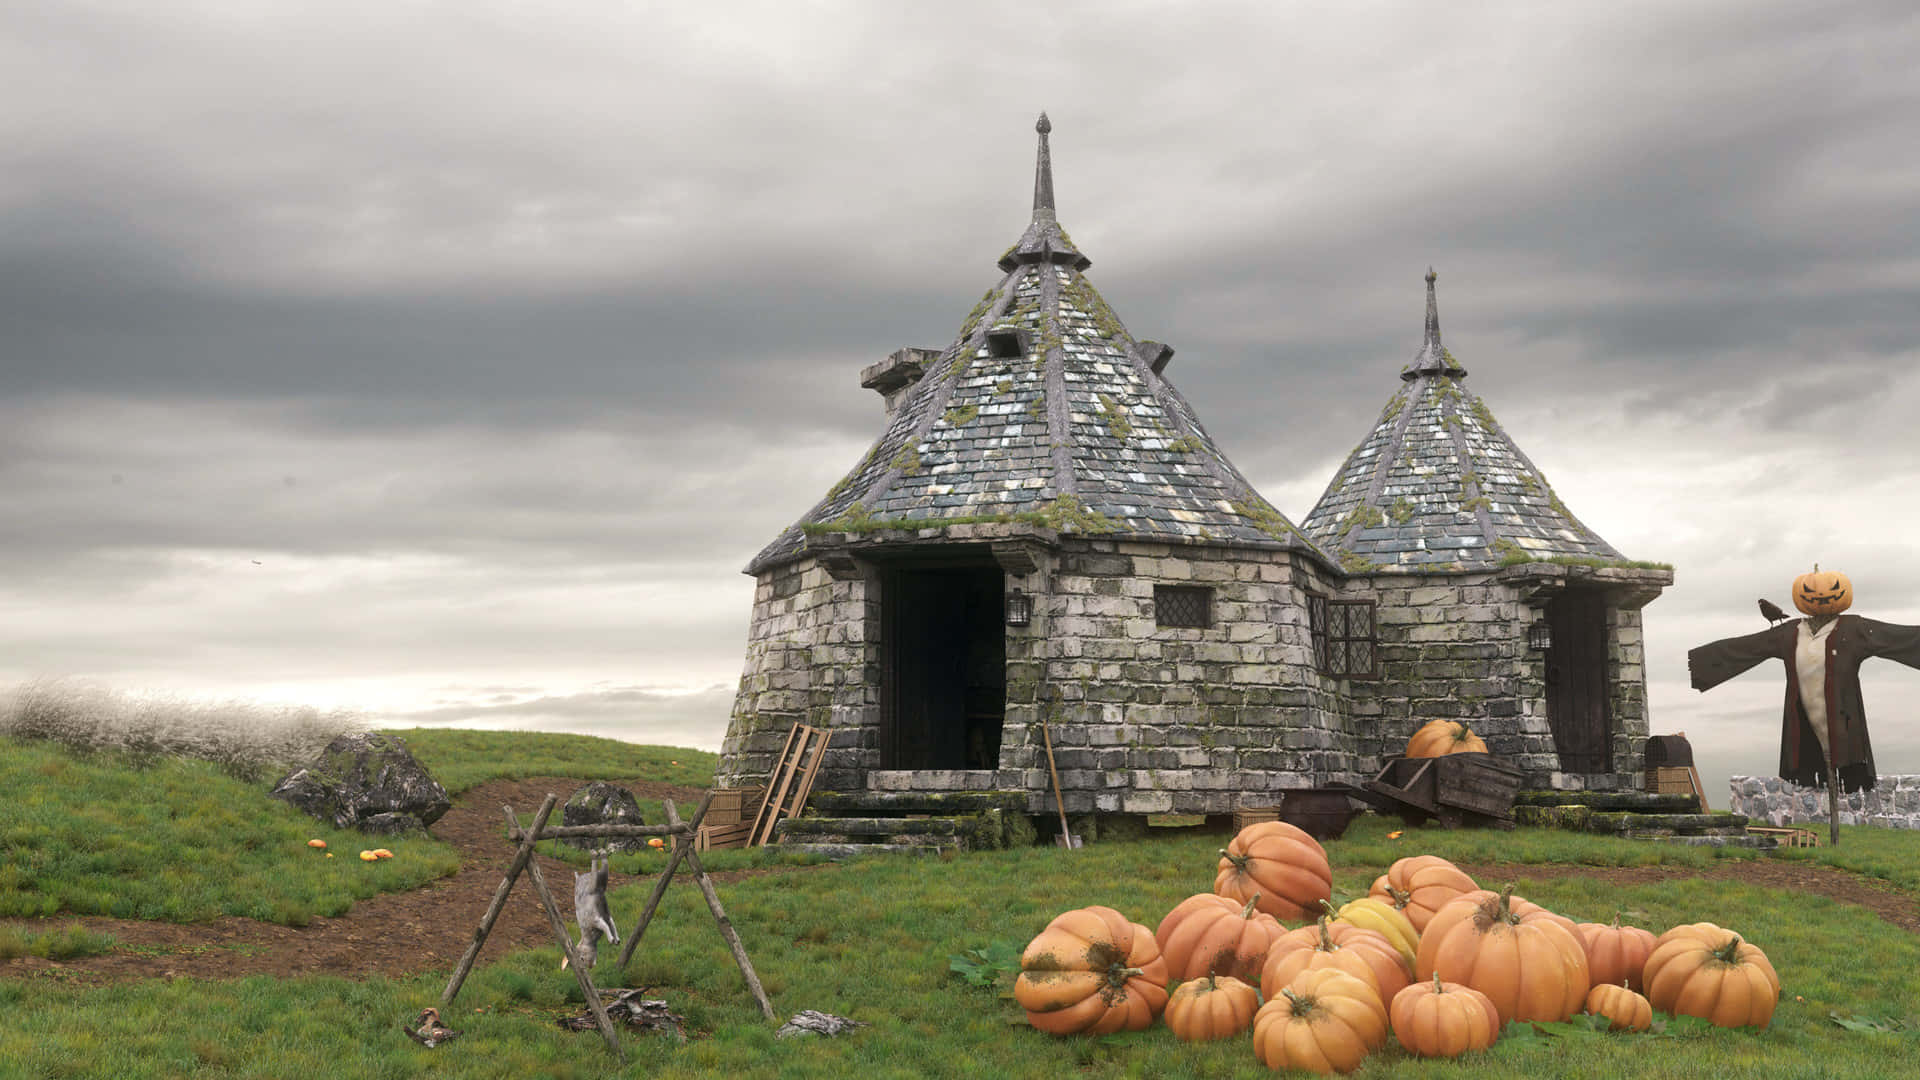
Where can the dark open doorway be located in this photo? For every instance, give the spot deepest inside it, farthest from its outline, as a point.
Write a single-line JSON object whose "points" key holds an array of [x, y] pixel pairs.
{"points": [[1577, 691], [944, 687]]}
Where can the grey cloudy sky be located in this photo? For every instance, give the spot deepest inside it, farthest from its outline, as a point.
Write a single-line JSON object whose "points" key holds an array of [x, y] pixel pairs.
{"points": [[502, 335]]}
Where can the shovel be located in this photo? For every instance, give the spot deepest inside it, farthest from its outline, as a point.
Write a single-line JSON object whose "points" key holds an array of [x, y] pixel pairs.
{"points": [[1065, 839]]}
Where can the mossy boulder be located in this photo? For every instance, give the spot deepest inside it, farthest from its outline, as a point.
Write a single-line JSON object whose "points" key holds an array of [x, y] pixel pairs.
{"points": [[601, 803], [367, 781]]}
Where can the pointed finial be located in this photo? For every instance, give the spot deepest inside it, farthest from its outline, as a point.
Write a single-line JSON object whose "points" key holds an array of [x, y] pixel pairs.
{"points": [[1043, 174], [1433, 315], [1433, 358]]}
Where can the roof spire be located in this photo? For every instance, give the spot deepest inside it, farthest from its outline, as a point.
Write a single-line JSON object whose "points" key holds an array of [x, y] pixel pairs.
{"points": [[1433, 358], [1044, 240], [1043, 174]]}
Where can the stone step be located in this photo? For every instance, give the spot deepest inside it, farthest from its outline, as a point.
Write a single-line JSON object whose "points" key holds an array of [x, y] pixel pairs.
{"points": [[1682, 824], [1644, 802], [1743, 840], [894, 803], [871, 826], [838, 851]]}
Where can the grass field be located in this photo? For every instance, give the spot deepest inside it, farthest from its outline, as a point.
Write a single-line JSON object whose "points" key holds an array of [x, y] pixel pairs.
{"points": [[872, 940]]}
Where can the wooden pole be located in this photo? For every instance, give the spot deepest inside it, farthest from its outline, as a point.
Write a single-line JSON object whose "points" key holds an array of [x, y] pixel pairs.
{"points": [[520, 860], [559, 924], [1833, 803], [726, 925], [680, 848]]}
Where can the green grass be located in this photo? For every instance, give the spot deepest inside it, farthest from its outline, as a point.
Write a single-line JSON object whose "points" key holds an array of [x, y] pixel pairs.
{"points": [[60, 943], [873, 940], [460, 759]]}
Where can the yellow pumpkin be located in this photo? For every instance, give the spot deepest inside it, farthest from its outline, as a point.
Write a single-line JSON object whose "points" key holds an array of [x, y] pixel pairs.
{"points": [[368, 856], [1624, 1009], [1216, 1007], [1439, 737], [1822, 592], [1373, 913], [655, 842], [382, 853]]}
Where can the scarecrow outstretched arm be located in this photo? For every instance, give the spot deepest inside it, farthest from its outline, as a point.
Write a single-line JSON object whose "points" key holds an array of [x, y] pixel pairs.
{"points": [[1716, 662], [1891, 641]]}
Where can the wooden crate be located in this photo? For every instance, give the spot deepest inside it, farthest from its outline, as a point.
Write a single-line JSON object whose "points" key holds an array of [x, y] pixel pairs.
{"points": [[1788, 837], [1669, 780], [1253, 816], [713, 836], [730, 806]]}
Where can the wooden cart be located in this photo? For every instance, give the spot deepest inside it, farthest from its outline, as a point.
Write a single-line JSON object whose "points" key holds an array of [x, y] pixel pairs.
{"points": [[1453, 789]]}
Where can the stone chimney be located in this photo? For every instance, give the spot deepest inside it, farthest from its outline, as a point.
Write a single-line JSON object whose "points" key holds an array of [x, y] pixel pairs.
{"points": [[893, 377]]}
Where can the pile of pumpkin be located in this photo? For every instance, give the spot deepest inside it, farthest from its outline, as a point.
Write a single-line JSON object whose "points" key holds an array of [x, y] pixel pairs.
{"points": [[1428, 955]]}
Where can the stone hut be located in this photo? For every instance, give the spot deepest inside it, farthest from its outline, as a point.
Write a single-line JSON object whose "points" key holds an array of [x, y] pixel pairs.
{"points": [[1045, 542], [1466, 553]]}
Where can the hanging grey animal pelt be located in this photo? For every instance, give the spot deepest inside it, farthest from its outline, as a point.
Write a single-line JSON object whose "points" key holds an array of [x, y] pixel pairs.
{"points": [[590, 912]]}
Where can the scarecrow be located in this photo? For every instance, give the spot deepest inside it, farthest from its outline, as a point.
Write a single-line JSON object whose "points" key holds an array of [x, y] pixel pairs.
{"points": [[1824, 724]]}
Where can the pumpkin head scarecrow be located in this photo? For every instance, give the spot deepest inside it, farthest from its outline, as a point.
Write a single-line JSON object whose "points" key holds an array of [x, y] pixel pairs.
{"points": [[1824, 724]]}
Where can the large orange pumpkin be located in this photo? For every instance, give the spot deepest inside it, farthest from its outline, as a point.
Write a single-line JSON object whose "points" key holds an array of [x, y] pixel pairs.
{"points": [[1092, 971], [1624, 1009], [1526, 959], [1208, 934], [1279, 867], [1439, 737], [1443, 1019], [1216, 1007], [1822, 592], [1322, 1021], [1706, 971], [1420, 885], [1357, 950], [1616, 953]]}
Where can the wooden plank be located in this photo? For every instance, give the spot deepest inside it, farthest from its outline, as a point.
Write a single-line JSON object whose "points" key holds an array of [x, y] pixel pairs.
{"points": [[778, 763], [777, 784], [520, 860], [796, 780], [1476, 782], [600, 1017], [720, 919]]}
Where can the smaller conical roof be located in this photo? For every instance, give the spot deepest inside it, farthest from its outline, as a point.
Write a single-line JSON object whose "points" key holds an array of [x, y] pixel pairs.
{"points": [[1437, 484]]}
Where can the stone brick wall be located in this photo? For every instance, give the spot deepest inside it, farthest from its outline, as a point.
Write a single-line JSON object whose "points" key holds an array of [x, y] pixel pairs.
{"points": [[1150, 719], [1894, 802], [812, 658], [1454, 647]]}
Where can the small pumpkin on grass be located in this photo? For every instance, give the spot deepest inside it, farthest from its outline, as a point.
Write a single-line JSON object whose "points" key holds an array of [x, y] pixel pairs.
{"points": [[318, 845], [1527, 960], [1704, 970], [1279, 867], [1373, 913], [1616, 953], [1624, 1009], [1092, 971], [1420, 885], [1216, 1007], [1321, 1021], [1443, 1019], [1439, 737], [1208, 934]]}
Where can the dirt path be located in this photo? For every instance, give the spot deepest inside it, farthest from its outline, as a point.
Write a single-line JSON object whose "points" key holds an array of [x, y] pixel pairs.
{"points": [[428, 928], [394, 934]]}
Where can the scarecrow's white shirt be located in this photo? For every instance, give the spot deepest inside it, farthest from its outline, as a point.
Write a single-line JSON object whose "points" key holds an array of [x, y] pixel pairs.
{"points": [[1810, 664]]}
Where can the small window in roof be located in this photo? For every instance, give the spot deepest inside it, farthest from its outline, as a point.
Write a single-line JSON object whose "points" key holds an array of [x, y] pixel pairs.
{"points": [[1007, 342]]}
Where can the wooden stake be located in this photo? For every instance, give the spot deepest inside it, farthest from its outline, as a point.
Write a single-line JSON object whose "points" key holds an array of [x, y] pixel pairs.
{"points": [[559, 924], [520, 860], [720, 917], [680, 849]]}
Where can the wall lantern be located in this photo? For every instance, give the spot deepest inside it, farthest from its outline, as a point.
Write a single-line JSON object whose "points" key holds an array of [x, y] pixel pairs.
{"points": [[1540, 636], [1019, 608]]}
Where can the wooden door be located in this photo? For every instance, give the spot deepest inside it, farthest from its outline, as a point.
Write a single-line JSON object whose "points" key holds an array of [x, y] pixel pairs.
{"points": [[924, 635], [1577, 690]]}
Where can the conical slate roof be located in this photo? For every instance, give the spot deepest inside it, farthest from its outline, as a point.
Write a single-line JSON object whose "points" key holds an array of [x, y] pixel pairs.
{"points": [[1045, 409], [1438, 485]]}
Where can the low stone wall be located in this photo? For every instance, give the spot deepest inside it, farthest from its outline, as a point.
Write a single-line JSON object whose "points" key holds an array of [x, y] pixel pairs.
{"points": [[1894, 802]]}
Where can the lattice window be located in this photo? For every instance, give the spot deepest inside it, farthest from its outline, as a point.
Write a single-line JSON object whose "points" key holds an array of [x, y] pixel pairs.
{"points": [[1183, 605], [1344, 637]]}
